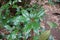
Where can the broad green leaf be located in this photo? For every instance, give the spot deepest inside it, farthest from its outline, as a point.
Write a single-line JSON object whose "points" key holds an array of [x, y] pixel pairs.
{"points": [[12, 2], [19, 1], [1, 25], [52, 24], [25, 13], [8, 27], [18, 19], [27, 28], [6, 6], [35, 37], [0, 13], [15, 31], [36, 27], [41, 12], [7, 12], [13, 35], [14, 6], [44, 35]]}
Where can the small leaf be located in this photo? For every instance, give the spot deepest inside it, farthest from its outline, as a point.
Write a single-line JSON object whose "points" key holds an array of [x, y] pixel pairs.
{"points": [[52, 24], [8, 27], [41, 12], [18, 19], [35, 37], [36, 27], [25, 13], [44, 35], [27, 28], [19, 0], [6, 6], [14, 6], [13, 35]]}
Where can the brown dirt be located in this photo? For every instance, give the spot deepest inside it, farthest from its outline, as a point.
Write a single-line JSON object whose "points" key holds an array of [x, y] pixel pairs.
{"points": [[53, 14]]}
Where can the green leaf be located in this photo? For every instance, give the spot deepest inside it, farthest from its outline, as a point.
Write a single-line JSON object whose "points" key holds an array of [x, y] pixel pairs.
{"points": [[44, 35], [18, 19], [0, 13], [8, 27], [35, 37], [6, 6], [36, 27], [41, 12], [14, 6], [27, 28], [19, 1], [25, 13], [1, 25], [52, 24], [13, 35]]}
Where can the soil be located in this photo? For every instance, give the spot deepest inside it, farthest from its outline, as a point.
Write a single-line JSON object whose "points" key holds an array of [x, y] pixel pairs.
{"points": [[53, 14]]}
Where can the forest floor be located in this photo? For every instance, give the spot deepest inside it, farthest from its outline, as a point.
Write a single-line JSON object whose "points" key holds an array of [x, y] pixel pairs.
{"points": [[53, 14]]}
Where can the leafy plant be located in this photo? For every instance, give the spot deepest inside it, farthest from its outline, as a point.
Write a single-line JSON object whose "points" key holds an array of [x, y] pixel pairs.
{"points": [[23, 22]]}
